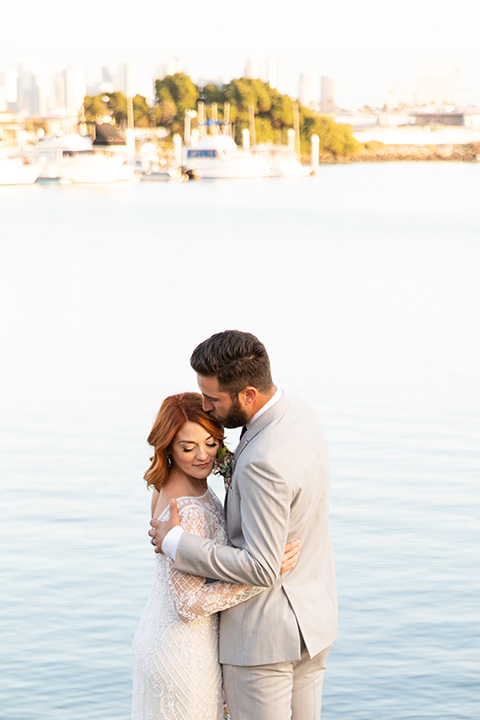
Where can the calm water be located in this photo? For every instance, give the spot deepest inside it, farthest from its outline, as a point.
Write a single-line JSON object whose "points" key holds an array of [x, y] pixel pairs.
{"points": [[363, 283]]}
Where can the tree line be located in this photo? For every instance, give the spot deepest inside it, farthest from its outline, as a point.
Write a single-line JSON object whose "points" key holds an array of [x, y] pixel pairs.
{"points": [[235, 103]]}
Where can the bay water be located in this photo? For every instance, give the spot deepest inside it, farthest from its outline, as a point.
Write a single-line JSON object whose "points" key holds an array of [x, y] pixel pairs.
{"points": [[363, 283]]}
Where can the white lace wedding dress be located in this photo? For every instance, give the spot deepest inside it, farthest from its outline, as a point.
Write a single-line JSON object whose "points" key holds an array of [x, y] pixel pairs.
{"points": [[176, 674]]}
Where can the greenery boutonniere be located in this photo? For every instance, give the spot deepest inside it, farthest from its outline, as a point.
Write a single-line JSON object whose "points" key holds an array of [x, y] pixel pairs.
{"points": [[223, 465]]}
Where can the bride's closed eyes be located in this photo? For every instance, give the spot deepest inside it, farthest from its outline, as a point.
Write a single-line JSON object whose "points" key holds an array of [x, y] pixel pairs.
{"points": [[210, 445]]}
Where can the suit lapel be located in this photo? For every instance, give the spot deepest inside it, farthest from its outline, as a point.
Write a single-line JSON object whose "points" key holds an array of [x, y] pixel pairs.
{"points": [[271, 414]]}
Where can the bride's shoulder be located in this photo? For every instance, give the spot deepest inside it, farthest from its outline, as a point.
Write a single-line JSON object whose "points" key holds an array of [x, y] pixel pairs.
{"points": [[202, 505], [194, 503]]}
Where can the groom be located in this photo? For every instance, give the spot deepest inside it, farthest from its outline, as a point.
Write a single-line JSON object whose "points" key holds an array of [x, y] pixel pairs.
{"points": [[273, 647]]}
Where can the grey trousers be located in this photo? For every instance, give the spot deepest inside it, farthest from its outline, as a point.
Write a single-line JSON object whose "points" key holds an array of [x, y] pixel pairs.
{"points": [[281, 691]]}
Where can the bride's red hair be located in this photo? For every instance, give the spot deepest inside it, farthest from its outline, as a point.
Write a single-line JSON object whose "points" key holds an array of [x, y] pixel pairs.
{"points": [[174, 412]]}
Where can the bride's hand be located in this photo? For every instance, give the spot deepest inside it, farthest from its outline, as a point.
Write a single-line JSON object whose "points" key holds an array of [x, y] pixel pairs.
{"points": [[160, 528], [290, 556]]}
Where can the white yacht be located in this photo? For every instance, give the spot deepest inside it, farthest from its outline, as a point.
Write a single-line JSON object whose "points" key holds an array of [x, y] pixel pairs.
{"points": [[15, 171], [218, 156], [72, 158]]}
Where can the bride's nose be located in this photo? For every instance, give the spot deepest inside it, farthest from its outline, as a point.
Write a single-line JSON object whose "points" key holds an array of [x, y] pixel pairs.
{"points": [[202, 453]]}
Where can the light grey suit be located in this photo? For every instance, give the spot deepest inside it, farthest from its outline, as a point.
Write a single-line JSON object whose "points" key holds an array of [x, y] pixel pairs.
{"points": [[279, 492]]}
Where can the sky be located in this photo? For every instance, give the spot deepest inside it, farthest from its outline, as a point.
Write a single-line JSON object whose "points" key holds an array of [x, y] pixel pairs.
{"points": [[363, 46]]}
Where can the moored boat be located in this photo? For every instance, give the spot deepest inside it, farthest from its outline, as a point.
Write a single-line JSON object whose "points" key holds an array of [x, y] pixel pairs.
{"points": [[15, 171], [219, 157], [72, 158]]}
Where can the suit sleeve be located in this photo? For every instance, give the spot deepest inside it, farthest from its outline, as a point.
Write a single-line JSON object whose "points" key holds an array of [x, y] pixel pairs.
{"points": [[191, 595], [265, 511]]}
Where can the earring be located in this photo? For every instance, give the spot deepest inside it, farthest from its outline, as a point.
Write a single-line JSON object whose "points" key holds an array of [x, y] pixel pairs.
{"points": [[169, 460]]}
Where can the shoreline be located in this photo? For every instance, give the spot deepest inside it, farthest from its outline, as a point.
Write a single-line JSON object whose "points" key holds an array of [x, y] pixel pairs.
{"points": [[378, 152]]}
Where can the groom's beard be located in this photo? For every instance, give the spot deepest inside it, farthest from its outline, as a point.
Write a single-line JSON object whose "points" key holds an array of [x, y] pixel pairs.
{"points": [[236, 416]]}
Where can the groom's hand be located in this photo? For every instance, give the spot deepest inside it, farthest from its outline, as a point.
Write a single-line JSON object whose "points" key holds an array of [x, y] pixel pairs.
{"points": [[160, 529], [290, 555]]}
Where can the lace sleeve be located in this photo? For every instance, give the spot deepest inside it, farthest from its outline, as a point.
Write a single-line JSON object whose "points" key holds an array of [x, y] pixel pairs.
{"points": [[192, 596]]}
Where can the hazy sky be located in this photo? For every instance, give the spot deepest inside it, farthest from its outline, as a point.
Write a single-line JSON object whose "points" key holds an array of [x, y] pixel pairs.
{"points": [[363, 45]]}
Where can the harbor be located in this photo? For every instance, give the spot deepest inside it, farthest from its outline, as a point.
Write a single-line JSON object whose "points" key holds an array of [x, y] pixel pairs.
{"points": [[213, 143], [206, 152]]}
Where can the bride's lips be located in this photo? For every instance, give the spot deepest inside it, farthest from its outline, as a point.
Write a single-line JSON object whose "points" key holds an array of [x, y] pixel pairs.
{"points": [[203, 466]]}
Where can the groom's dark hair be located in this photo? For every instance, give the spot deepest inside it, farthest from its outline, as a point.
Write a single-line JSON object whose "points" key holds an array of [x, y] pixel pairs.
{"points": [[237, 359]]}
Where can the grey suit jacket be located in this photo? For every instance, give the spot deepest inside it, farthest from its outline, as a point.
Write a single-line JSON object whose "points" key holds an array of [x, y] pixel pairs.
{"points": [[279, 492]]}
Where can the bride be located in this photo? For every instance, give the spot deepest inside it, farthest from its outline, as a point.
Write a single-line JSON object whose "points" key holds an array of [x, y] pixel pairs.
{"points": [[176, 673]]}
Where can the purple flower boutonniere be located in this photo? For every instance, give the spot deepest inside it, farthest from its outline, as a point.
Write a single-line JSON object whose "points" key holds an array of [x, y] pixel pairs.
{"points": [[223, 465]]}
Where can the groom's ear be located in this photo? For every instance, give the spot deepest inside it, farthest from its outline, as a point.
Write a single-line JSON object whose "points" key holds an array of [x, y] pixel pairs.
{"points": [[250, 393]]}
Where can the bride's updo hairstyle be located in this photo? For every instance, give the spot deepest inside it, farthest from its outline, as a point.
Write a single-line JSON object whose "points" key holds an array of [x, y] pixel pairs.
{"points": [[174, 412]]}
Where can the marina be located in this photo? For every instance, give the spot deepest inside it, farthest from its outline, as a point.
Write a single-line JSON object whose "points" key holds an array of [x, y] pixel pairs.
{"points": [[74, 158]]}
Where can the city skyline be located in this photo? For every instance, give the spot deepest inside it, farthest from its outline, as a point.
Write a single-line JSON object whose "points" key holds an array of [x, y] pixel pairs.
{"points": [[364, 49], [51, 92]]}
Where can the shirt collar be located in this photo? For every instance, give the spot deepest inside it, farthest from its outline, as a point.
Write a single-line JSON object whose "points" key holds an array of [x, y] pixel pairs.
{"points": [[273, 400]]}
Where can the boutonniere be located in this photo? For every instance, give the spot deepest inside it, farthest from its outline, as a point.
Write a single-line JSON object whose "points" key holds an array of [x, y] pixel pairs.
{"points": [[223, 465]]}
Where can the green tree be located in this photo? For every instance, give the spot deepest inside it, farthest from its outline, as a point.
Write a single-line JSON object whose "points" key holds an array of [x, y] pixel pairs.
{"points": [[263, 101], [94, 108], [241, 95], [212, 94], [281, 110], [335, 138], [264, 132], [166, 110], [117, 107], [142, 115], [273, 112], [175, 94]]}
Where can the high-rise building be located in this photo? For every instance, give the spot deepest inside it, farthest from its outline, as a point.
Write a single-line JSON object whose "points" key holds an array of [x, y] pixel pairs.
{"points": [[47, 92], [75, 88], [171, 67], [8, 89], [272, 73], [107, 75], [327, 102], [126, 79], [254, 68], [308, 89], [32, 90]]}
